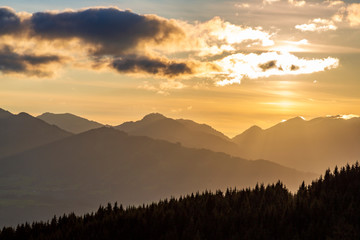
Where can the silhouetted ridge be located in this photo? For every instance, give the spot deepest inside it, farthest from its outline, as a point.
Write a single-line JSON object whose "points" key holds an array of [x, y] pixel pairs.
{"points": [[81, 171], [22, 132], [202, 127], [186, 132], [4, 113], [296, 122], [327, 209], [25, 115], [307, 145], [106, 130], [253, 130], [153, 117], [69, 122], [296, 119]]}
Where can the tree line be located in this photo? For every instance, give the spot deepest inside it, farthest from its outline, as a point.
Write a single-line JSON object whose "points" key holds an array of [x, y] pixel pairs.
{"points": [[328, 208]]}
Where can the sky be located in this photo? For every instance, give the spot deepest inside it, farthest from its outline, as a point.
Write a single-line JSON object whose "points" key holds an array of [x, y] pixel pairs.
{"points": [[229, 64]]}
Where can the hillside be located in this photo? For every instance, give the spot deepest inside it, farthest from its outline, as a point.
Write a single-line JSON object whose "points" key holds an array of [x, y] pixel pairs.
{"points": [[69, 122], [82, 171], [326, 209], [22, 132], [4, 113], [311, 145]]}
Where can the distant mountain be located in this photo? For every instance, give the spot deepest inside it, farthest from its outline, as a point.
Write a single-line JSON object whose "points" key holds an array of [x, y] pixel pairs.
{"points": [[4, 113], [22, 132], [69, 122], [306, 145], [82, 171], [186, 132]]}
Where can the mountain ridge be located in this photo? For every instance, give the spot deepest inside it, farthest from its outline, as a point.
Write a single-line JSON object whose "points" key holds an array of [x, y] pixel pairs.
{"points": [[186, 132], [22, 132], [69, 122], [308, 145], [4, 113], [81, 171]]}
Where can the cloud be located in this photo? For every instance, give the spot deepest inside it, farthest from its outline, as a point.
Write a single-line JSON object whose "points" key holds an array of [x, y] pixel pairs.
{"points": [[217, 36], [353, 16], [130, 43], [242, 5], [9, 22], [112, 31], [237, 66], [346, 117], [297, 3], [163, 87], [270, 1], [334, 3], [267, 65], [317, 25], [35, 65], [161, 67], [349, 13]]}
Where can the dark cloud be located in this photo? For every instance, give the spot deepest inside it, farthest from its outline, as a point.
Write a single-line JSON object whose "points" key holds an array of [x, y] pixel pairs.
{"points": [[113, 31], [151, 66], [9, 22], [294, 68], [268, 65], [12, 62]]}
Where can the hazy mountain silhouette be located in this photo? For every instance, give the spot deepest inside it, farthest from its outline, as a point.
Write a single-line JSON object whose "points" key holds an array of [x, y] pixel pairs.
{"points": [[306, 145], [186, 132], [4, 113], [69, 122], [327, 209], [22, 132], [80, 172]]}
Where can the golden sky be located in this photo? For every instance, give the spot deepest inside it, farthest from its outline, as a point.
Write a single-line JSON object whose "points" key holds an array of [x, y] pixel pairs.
{"points": [[230, 64]]}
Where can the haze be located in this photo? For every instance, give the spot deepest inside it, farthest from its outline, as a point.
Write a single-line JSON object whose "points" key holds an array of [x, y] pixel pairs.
{"points": [[137, 101], [230, 64]]}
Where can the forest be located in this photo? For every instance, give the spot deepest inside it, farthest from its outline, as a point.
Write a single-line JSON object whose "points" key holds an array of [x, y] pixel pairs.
{"points": [[328, 208]]}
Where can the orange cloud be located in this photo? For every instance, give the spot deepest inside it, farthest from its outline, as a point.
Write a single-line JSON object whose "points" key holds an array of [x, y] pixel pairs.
{"points": [[130, 43], [317, 25], [237, 66], [353, 16]]}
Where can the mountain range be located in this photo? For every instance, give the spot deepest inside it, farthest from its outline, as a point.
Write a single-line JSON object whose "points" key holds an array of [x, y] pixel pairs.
{"points": [[78, 172], [308, 145], [312, 145], [58, 163], [186, 132], [22, 132]]}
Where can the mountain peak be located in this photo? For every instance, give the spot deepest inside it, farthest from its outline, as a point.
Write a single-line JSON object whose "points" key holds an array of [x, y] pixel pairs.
{"points": [[49, 114], [25, 115], [69, 122], [153, 117], [251, 132], [255, 128], [296, 119], [4, 113]]}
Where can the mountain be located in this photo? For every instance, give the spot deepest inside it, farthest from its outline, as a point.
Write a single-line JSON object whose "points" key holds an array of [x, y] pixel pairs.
{"points": [[80, 172], [22, 132], [186, 132], [69, 122], [327, 209], [4, 113], [311, 145]]}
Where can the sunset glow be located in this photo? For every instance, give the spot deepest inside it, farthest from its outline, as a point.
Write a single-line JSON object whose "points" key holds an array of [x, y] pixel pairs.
{"points": [[127, 59]]}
